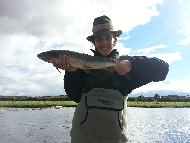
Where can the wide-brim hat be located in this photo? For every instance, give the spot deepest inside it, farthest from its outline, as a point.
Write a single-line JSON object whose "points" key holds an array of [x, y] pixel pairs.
{"points": [[103, 25]]}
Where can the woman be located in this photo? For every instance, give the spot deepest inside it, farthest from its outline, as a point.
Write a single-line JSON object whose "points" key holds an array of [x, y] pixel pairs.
{"points": [[100, 116]]}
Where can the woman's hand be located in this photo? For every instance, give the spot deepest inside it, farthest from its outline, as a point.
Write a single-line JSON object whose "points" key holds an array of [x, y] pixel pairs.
{"points": [[62, 63], [123, 67]]}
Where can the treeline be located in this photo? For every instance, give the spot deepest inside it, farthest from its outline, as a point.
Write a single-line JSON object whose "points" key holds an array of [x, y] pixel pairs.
{"points": [[65, 98], [42, 98], [152, 99]]}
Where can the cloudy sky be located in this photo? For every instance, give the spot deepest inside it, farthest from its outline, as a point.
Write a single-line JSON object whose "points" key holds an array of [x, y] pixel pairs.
{"points": [[153, 28]]}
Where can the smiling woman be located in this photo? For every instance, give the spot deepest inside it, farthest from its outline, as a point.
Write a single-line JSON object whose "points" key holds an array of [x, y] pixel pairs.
{"points": [[101, 113], [104, 44]]}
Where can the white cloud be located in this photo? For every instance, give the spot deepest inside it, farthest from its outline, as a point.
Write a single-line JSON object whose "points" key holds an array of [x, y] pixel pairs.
{"points": [[166, 87], [168, 57], [123, 38], [66, 18], [122, 50], [150, 49], [186, 31], [128, 14], [31, 27], [43, 81], [185, 41], [184, 15], [187, 27], [178, 31]]}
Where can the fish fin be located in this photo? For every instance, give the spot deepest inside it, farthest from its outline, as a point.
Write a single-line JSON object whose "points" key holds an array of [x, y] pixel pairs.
{"points": [[111, 69], [86, 66], [58, 70], [128, 76], [87, 70]]}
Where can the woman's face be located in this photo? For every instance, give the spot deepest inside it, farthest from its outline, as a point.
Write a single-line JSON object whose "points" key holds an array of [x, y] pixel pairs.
{"points": [[104, 44]]}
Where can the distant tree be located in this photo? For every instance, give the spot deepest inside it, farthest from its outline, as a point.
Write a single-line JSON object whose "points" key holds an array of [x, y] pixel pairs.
{"points": [[156, 97], [132, 99], [150, 99], [141, 96]]}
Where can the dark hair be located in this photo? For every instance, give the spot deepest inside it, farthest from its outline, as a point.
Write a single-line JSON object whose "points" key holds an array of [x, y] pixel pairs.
{"points": [[115, 41]]}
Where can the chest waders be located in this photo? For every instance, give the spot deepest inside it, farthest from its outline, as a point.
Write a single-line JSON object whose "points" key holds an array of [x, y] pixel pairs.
{"points": [[100, 117]]}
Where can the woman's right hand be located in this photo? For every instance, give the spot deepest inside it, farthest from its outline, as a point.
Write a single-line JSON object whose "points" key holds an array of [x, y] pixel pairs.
{"points": [[62, 63]]}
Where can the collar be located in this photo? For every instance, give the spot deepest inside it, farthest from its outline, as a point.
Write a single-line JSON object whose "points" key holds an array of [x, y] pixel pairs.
{"points": [[114, 54]]}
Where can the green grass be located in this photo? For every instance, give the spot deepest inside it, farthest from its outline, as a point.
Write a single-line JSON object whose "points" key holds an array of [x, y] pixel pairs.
{"points": [[37, 104], [159, 104]]}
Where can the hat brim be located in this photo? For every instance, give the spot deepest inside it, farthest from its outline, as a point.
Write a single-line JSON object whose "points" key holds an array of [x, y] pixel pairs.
{"points": [[102, 32]]}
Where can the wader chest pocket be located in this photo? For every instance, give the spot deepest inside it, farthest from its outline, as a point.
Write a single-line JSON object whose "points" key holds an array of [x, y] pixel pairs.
{"points": [[103, 117], [104, 103]]}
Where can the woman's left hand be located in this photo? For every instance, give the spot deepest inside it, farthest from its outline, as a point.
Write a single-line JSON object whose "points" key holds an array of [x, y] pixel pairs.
{"points": [[123, 67]]}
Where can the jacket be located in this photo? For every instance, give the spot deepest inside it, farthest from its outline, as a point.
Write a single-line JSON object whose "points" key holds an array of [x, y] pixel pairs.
{"points": [[143, 71]]}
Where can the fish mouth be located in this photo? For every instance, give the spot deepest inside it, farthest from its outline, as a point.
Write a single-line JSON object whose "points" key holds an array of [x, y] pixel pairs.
{"points": [[39, 56], [44, 57]]}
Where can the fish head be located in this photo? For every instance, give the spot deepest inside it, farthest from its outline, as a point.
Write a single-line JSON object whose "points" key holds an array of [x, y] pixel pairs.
{"points": [[48, 56]]}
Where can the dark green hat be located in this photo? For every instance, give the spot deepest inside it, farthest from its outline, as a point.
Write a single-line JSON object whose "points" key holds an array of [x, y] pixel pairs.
{"points": [[103, 25]]}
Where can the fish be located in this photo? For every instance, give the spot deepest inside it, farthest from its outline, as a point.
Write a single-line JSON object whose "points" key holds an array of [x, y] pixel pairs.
{"points": [[80, 60]]}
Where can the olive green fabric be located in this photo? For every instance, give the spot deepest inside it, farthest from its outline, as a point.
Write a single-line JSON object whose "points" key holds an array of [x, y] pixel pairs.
{"points": [[100, 117]]}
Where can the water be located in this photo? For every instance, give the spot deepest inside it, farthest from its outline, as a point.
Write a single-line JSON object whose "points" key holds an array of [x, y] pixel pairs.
{"points": [[36, 126], [159, 125], [145, 125]]}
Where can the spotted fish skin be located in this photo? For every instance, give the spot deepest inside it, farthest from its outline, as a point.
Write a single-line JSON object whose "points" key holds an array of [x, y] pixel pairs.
{"points": [[79, 60]]}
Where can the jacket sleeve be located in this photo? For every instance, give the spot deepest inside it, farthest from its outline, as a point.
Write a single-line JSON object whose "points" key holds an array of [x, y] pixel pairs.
{"points": [[73, 84], [145, 70]]}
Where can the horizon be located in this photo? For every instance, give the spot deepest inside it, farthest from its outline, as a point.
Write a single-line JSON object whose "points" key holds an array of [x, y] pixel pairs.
{"points": [[67, 95]]}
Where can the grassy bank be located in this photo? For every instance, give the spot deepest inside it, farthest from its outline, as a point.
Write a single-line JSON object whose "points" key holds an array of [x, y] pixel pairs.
{"points": [[159, 104], [38, 104]]}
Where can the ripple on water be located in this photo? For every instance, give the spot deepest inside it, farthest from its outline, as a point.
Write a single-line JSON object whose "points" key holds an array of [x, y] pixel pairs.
{"points": [[176, 137], [154, 125]]}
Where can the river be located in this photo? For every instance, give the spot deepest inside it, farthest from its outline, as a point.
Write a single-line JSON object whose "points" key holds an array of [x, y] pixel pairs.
{"points": [[145, 125]]}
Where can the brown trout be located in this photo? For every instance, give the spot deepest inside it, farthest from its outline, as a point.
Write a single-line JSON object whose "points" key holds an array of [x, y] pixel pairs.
{"points": [[79, 60]]}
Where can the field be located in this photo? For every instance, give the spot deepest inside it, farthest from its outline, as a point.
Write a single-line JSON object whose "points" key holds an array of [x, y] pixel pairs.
{"points": [[38, 104], [159, 104]]}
